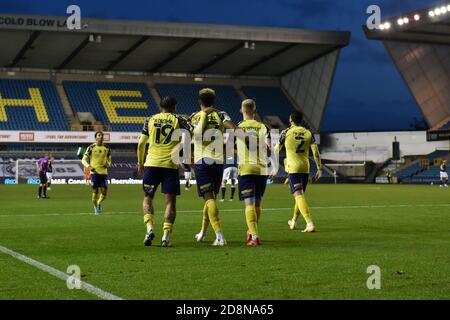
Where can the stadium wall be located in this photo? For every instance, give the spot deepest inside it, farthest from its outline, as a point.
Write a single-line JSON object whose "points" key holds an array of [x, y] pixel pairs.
{"points": [[376, 146]]}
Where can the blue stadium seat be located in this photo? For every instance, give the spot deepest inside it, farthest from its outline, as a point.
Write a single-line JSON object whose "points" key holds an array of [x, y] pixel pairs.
{"points": [[23, 116], [409, 171], [427, 176], [270, 101], [84, 97], [227, 99], [437, 154]]}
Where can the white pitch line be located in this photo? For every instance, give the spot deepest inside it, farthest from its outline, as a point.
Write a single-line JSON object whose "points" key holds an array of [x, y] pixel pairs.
{"points": [[236, 210], [59, 274]]}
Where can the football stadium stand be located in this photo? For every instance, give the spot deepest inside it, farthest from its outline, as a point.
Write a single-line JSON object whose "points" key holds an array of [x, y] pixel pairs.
{"points": [[30, 105], [270, 101], [187, 98], [407, 173], [430, 175], [123, 106], [438, 154]]}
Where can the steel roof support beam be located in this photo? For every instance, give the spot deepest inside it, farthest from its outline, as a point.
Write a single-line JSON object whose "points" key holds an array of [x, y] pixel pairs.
{"points": [[265, 59], [74, 53], [173, 56], [26, 46], [126, 53], [219, 58]]}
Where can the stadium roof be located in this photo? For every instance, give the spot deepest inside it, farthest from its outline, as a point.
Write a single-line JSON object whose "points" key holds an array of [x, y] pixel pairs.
{"points": [[419, 44], [430, 25], [158, 48]]}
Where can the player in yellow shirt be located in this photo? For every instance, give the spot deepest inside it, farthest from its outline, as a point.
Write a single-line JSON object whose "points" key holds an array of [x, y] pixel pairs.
{"points": [[252, 146], [298, 141], [97, 159], [159, 167], [208, 159]]}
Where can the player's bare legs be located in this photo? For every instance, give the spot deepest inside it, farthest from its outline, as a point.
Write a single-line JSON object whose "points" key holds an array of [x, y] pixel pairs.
{"points": [[149, 219], [169, 218]]}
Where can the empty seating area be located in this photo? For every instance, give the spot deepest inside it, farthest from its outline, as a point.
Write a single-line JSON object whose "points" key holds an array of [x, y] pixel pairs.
{"points": [[270, 101], [438, 154], [187, 97], [425, 170], [427, 176], [405, 174], [123, 106], [31, 105]]}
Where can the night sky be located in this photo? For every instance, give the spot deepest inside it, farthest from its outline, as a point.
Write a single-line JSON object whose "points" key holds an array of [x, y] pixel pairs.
{"points": [[368, 93]]}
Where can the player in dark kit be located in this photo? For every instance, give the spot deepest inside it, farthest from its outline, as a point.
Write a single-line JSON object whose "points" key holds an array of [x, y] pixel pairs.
{"points": [[42, 168], [49, 172]]}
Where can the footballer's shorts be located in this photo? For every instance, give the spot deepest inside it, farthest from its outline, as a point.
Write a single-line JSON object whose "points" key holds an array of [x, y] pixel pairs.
{"points": [[444, 175], [298, 181], [43, 177], [230, 173], [99, 180], [252, 186], [49, 176], [208, 177], [168, 178]]}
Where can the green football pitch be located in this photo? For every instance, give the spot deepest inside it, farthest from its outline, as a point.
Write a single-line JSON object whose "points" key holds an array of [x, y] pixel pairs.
{"points": [[404, 230]]}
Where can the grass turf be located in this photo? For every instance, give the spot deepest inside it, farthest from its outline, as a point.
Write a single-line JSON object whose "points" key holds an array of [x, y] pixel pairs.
{"points": [[402, 229]]}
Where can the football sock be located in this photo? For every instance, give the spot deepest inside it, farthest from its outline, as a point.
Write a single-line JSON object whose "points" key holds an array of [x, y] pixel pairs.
{"points": [[40, 191], [167, 228], [296, 212], [102, 198], [94, 199], [205, 219], [44, 189], [251, 217], [258, 213], [213, 214], [219, 236], [223, 190], [149, 220], [304, 209], [233, 190]]}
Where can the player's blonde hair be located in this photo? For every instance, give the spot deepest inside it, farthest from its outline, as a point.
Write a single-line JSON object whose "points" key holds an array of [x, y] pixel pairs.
{"points": [[248, 106]]}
